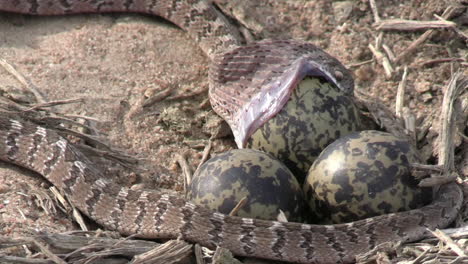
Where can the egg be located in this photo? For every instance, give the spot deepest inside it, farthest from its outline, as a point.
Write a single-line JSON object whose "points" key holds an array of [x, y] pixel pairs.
{"points": [[361, 175], [221, 182]]}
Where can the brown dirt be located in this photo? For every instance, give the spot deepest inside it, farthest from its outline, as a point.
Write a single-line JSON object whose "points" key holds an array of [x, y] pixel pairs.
{"points": [[114, 61]]}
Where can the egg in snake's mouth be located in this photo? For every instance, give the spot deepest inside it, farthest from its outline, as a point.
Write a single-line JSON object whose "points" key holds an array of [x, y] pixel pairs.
{"points": [[252, 83]]}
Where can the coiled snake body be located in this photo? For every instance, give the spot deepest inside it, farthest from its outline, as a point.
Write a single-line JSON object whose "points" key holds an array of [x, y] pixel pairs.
{"points": [[154, 215]]}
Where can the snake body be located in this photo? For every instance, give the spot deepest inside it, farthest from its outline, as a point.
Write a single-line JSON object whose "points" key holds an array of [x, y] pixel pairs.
{"points": [[152, 214]]}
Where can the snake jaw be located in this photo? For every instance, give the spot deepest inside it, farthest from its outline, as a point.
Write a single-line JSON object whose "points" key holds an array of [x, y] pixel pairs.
{"points": [[340, 79], [251, 84], [267, 103], [272, 97]]}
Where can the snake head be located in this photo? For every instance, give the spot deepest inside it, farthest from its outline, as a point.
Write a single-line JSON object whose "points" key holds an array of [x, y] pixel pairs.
{"points": [[250, 84]]}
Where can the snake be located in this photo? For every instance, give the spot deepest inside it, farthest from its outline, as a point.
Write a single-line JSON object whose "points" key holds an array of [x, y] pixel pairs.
{"points": [[248, 83]]}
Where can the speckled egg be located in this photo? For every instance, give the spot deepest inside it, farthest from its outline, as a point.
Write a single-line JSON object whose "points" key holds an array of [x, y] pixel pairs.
{"points": [[269, 186], [316, 114], [361, 175]]}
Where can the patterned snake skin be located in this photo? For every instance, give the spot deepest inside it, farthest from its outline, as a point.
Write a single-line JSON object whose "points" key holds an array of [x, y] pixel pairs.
{"points": [[151, 214]]}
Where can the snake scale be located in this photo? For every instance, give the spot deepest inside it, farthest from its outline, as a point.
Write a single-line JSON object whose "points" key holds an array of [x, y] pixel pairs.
{"points": [[152, 214]]}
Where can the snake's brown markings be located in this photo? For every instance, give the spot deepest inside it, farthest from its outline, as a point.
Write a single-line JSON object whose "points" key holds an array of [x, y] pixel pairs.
{"points": [[155, 215]]}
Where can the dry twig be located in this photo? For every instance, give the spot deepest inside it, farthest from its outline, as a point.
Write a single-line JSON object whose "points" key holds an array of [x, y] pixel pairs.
{"points": [[440, 60], [82, 249], [449, 242], [170, 252], [198, 254], [206, 153], [238, 206], [157, 97], [448, 116], [383, 60], [27, 84], [188, 95], [375, 12], [448, 13], [412, 25], [186, 171], [445, 144], [400, 97]]}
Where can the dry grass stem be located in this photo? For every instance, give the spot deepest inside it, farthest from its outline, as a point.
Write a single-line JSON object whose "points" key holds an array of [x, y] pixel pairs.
{"points": [[87, 118], [389, 52], [437, 179], [21, 213], [372, 255], [383, 60], [412, 25], [157, 97], [45, 250], [59, 197], [358, 64], [410, 123], [79, 219], [188, 95], [62, 120], [12, 242], [445, 144], [378, 41], [87, 249], [421, 257], [429, 167], [186, 170], [415, 44], [457, 232], [20, 260], [54, 103], [26, 83], [206, 153], [172, 251], [375, 11], [238, 206], [448, 13], [400, 97], [197, 249], [282, 217], [449, 242], [224, 256], [441, 60], [44, 201]]}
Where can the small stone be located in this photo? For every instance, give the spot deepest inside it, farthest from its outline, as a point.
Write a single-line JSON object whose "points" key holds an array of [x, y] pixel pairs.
{"points": [[364, 73], [4, 188], [138, 187], [342, 10], [426, 97], [422, 86], [216, 127]]}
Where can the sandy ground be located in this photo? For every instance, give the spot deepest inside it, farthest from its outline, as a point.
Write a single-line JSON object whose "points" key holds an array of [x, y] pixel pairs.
{"points": [[114, 61]]}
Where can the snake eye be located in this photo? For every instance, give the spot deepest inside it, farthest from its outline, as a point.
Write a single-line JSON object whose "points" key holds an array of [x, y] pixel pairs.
{"points": [[339, 75]]}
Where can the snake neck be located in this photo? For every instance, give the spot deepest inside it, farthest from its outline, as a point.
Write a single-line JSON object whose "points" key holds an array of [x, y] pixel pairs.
{"points": [[202, 21]]}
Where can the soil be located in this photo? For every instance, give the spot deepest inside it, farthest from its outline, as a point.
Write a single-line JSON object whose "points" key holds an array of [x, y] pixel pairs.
{"points": [[116, 61]]}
